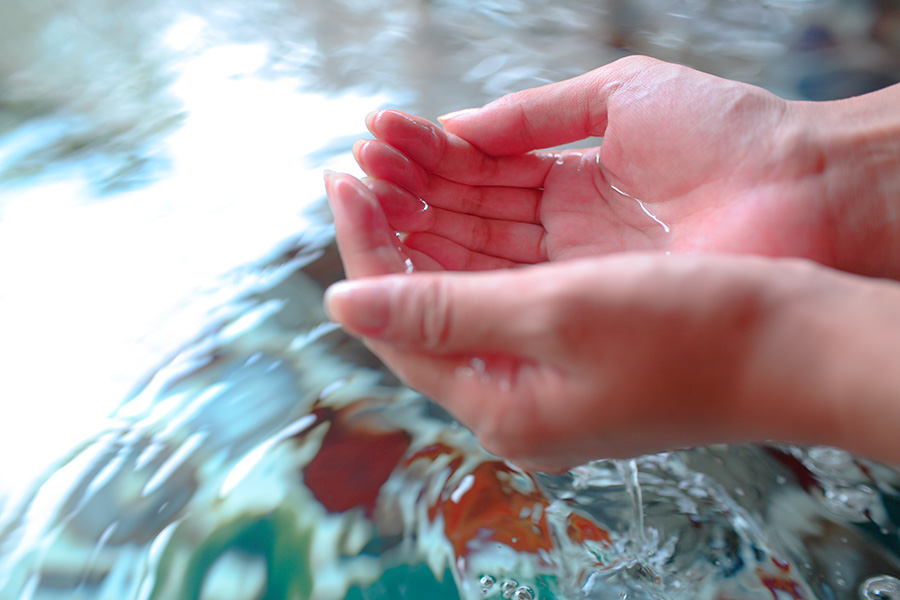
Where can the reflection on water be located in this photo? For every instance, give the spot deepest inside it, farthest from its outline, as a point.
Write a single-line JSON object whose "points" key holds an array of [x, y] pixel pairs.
{"points": [[164, 240]]}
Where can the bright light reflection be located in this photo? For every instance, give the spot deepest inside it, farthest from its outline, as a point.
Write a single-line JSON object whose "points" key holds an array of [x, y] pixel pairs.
{"points": [[96, 293]]}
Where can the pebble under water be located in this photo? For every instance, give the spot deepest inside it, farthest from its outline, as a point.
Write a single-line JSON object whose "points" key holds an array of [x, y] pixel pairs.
{"points": [[163, 230]]}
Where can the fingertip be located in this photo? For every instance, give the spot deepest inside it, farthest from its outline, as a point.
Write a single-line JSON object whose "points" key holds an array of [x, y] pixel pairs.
{"points": [[334, 300], [331, 182], [332, 310], [370, 120], [362, 307], [357, 149], [340, 183]]}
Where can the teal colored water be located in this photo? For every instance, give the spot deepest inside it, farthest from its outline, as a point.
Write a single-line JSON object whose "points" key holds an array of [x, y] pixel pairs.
{"points": [[181, 420]]}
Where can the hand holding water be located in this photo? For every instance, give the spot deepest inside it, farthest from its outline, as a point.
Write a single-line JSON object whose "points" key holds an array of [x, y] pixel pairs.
{"points": [[620, 354], [689, 163]]}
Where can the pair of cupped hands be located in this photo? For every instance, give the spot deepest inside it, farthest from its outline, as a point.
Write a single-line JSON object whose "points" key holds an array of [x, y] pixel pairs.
{"points": [[677, 285]]}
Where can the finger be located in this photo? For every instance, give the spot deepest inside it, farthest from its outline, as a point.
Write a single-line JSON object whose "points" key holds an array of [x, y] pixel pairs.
{"points": [[511, 240], [493, 202], [444, 314], [452, 157], [454, 257], [383, 161], [367, 244], [558, 113]]}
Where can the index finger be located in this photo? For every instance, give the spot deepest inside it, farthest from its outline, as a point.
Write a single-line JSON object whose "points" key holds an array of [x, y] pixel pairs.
{"points": [[452, 157], [550, 115]]}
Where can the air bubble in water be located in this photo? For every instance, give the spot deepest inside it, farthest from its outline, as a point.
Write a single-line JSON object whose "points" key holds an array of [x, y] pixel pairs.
{"points": [[523, 592], [850, 502], [881, 587], [487, 582], [476, 368], [508, 588]]}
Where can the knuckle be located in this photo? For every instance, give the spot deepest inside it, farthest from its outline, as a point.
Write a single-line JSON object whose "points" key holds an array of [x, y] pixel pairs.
{"points": [[433, 312], [635, 62], [481, 234]]}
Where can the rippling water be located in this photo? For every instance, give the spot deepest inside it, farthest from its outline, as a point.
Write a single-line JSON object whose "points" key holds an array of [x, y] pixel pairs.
{"points": [[181, 421]]}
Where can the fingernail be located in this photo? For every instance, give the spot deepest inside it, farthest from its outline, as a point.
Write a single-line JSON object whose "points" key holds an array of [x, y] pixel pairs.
{"points": [[457, 113], [362, 307], [358, 146], [328, 175], [370, 119]]}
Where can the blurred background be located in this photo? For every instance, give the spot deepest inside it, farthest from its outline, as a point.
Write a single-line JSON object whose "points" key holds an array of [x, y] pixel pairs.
{"points": [[160, 160]]}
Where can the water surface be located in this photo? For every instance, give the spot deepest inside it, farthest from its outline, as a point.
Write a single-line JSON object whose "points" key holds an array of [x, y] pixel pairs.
{"points": [[182, 421]]}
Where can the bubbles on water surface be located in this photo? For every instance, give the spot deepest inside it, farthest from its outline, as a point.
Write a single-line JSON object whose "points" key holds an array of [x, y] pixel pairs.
{"points": [[523, 592], [881, 587], [508, 588]]}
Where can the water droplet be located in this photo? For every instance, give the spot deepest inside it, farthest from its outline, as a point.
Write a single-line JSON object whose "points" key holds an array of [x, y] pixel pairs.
{"points": [[487, 582], [476, 368], [880, 587], [851, 502], [833, 458], [523, 592], [508, 588]]}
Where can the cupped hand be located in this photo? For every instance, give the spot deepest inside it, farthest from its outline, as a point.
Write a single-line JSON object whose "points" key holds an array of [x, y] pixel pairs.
{"points": [[688, 162], [620, 353], [553, 365]]}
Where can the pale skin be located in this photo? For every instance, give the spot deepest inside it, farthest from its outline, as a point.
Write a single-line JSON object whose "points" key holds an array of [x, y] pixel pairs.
{"points": [[678, 285]]}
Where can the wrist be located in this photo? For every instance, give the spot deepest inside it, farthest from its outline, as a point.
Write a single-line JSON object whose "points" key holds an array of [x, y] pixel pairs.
{"points": [[856, 149]]}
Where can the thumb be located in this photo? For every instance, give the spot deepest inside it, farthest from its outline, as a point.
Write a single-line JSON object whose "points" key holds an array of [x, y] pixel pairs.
{"points": [[442, 313], [558, 113]]}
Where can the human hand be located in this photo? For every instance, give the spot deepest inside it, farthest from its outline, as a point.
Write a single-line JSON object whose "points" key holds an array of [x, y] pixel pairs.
{"points": [[689, 163], [554, 365], [662, 356]]}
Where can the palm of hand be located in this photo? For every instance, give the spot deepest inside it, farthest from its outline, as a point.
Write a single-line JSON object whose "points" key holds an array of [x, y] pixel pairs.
{"points": [[692, 163]]}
